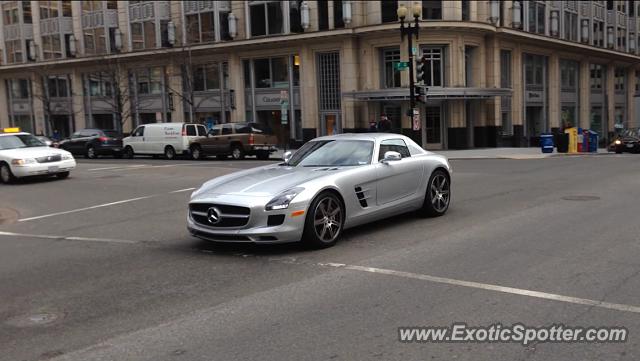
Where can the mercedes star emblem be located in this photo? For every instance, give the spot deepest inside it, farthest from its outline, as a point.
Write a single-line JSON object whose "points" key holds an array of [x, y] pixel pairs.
{"points": [[213, 215]]}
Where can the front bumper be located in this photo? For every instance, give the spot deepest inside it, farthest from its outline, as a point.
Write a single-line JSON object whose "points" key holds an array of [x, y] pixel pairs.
{"points": [[35, 169], [256, 230]]}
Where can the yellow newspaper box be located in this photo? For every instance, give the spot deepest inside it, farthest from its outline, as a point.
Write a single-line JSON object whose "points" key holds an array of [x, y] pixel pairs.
{"points": [[573, 139]]}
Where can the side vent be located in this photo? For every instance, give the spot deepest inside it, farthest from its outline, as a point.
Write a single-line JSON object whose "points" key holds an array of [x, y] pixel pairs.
{"points": [[362, 198]]}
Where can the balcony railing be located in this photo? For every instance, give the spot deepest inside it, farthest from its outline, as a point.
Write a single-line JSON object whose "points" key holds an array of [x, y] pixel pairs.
{"points": [[146, 10], [585, 9], [18, 31], [56, 25], [621, 19], [100, 18], [598, 11]]}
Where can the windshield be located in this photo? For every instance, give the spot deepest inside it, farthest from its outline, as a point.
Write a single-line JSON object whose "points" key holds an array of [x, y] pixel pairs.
{"points": [[19, 141], [333, 153], [630, 133], [249, 128]]}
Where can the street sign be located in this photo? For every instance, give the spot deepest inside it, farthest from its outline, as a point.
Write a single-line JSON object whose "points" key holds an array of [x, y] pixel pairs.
{"points": [[414, 51], [401, 65], [284, 110], [416, 119]]}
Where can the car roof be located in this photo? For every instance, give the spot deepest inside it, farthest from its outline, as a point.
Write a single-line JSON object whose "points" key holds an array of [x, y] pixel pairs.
{"points": [[18, 133], [362, 136]]}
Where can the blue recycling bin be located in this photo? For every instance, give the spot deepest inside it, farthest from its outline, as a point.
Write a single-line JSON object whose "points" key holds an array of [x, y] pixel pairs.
{"points": [[546, 142], [593, 141]]}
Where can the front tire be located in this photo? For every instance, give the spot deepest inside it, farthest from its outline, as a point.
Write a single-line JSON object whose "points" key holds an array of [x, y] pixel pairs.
{"points": [[324, 222], [128, 152], [438, 195], [196, 152], [6, 176], [90, 153], [169, 152]]}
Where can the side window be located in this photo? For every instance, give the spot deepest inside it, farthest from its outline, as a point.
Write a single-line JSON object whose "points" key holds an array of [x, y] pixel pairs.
{"points": [[395, 145], [215, 130], [226, 129], [191, 130], [139, 132], [202, 131], [75, 135]]}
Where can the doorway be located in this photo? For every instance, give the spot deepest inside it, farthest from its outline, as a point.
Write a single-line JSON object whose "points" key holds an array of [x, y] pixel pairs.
{"points": [[433, 127], [535, 124], [330, 123]]}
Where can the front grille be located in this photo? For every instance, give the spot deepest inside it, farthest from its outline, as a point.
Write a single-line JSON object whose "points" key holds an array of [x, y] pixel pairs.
{"points": [[228, 216], [49, 158]]}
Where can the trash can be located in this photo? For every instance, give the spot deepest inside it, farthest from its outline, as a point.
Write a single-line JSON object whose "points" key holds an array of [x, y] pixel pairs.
{"points": [[562, 142], [546, 142], [593, 141]]}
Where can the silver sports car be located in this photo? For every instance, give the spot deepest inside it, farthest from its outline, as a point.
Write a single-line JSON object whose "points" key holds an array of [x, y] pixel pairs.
{"points": [[329, 184]]}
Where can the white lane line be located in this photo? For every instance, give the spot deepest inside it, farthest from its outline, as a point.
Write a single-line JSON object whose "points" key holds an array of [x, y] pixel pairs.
{"points": [[183, 190], [86, 239], [83, 209], [119, 167], [489, 287]]}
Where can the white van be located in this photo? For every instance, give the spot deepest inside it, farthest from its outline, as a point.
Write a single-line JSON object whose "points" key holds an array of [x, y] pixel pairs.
{"points": [[166, 139]]}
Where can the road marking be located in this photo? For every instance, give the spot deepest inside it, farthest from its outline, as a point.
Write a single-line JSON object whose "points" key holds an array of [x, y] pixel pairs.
{"points": [[119, 167], [86, 239], [183, 190], [489, 287], [83, 209]]}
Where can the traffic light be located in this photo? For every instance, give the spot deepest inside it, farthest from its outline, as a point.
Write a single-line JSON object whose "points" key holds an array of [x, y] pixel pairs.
{"points": [[420, 68], [419, 92]]}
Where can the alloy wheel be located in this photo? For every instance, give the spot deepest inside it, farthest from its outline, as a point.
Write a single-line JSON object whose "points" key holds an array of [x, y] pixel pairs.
{"points": [[440, 192], [5, 176], [236, 153], [91, 153], [327, 219]]}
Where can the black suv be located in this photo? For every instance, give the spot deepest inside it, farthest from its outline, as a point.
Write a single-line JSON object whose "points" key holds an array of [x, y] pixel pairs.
{"points": [[94, 142]]}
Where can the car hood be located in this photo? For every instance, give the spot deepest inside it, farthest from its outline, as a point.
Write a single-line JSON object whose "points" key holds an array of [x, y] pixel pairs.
{"points": [[262, 182], [32, 152]]}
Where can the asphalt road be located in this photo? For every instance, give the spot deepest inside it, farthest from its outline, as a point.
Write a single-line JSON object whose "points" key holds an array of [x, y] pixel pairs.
{"points": [[101, 267]]}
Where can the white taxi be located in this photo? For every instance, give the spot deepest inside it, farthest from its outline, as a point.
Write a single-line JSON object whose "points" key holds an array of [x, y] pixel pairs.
{"points": [[24, 155]]}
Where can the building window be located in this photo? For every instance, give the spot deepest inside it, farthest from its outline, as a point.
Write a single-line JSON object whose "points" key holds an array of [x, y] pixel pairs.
{"points": [[100, 84], [570, 26], [323, 14], [266, 17], [143, 35], [206, 77], [295, 19], [389, 9], [14, 51], [206, 21], [431, 10], [434, 70], [391, 77], [19, 88], [505, 68], [95, 37], [534, 71], [149, 81], [58, 86], [144, 16], [466, 10], [598, 33], [536, 17], [568, 75], [271, 73], [596, 74], [619, 80], [622, 39], [51, 46], [338, 19]]}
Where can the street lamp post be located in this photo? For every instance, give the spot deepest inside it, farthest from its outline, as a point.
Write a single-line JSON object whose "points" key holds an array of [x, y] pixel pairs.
{"points": [[410, 31]]}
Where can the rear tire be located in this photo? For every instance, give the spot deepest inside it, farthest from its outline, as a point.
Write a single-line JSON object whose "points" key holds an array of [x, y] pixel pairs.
{"points": [[128, 152], [196, 152], [237, 153], [169, 152], [438, 195], [63, 175], [6, 176], [324, 221]]}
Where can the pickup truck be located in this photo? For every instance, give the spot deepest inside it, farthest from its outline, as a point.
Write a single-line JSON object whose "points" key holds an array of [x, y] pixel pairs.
{"points": [[236, 140]]}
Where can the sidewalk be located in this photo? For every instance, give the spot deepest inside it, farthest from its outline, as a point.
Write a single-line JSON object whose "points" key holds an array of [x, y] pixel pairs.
{"points": [[494, 153], [509, 153]]}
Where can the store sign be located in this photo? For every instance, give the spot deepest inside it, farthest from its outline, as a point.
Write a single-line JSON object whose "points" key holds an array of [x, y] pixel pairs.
{"points": [[534, 96], [416, 119]]}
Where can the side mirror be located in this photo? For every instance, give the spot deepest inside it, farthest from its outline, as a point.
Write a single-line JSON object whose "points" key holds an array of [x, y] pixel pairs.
{"points": [[391, 156], [287, 156]]}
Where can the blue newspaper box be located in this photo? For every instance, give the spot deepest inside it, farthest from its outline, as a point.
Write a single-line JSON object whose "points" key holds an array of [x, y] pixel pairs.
{"points": [[546, 142], [593, 141]]}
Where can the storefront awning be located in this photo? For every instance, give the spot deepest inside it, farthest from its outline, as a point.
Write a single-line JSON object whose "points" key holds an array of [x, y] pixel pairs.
{"points": [[432, 93]]}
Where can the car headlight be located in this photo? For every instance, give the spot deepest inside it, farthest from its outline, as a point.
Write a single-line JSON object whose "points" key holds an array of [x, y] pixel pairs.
{"points": [[282, 200], [67, 156], [618, 142], [23, 161]]}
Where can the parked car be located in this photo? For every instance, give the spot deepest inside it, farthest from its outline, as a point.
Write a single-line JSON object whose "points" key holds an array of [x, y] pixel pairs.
{"points": [[24, 155], [168, 139], [237, 140], [94, 142], [47, 141], [627, 141], [330, 184]]}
